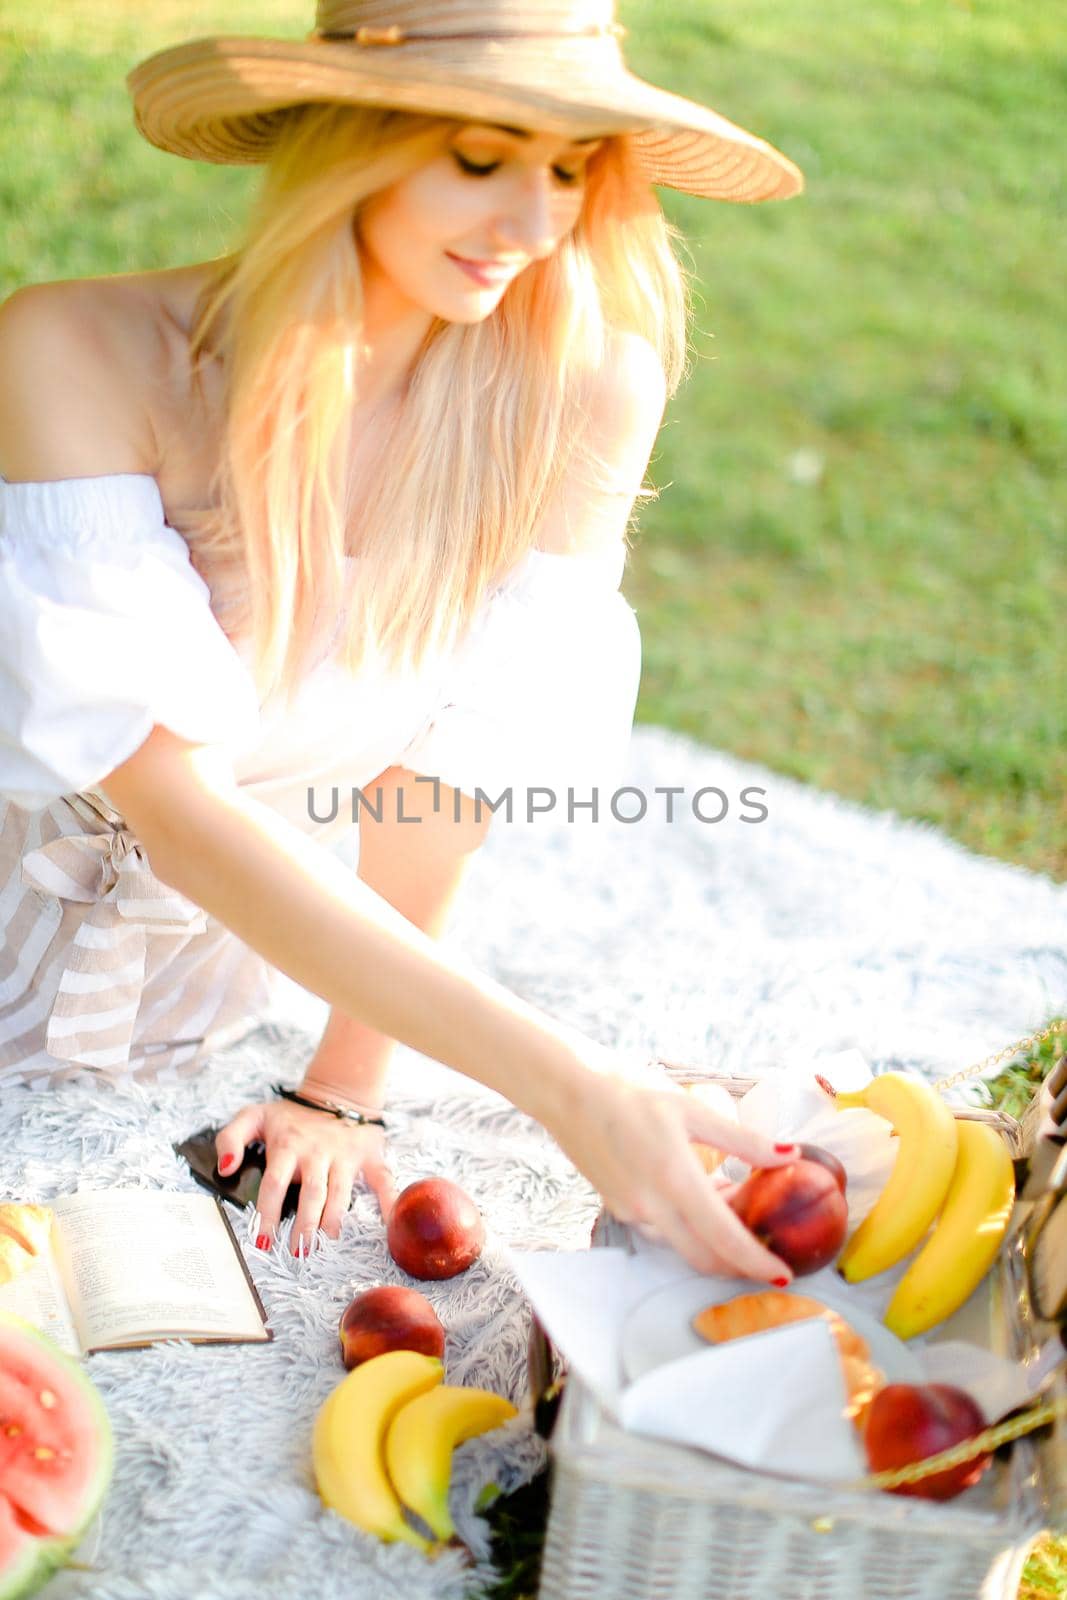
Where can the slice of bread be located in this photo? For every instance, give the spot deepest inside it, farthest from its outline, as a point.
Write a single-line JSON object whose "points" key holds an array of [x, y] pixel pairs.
{"points": [[30, 1226], [14, 1260], [772, 1308]]}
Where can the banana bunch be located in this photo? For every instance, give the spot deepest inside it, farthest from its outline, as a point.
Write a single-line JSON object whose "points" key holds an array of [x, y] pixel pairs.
{"points": [[957, 1174], [419, 1445], [918, 1183], [384, 1439], [964, 1244]]}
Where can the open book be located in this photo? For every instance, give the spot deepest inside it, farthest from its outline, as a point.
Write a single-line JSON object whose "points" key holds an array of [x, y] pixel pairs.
{"points": [[128, 1267]]}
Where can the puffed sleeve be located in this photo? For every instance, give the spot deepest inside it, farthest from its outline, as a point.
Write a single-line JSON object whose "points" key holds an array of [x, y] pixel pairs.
{"points": [[541, 693], [107, 629]]}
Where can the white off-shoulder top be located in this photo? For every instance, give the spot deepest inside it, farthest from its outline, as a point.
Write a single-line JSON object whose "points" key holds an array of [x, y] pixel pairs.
{"points": [[106, 629]]}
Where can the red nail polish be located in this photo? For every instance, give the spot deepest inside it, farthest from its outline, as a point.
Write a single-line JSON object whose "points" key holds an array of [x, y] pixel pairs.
{"points": [[780, 1283], [784, 1149], [226, 1162], [263, 1242]]}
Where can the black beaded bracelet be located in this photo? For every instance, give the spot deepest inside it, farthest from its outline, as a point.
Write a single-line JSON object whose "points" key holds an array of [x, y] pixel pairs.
{"points": [[328, 1106]]}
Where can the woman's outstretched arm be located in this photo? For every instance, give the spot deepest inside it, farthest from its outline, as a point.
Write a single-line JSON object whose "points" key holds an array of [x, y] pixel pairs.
{"points": [[312, 918]]}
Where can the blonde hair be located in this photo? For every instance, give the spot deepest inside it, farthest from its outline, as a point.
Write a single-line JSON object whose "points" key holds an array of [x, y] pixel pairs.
{"points": [[492, 417]]}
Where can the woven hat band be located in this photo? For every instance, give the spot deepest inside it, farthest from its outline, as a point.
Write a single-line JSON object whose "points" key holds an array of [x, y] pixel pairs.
{"points": [[461, 16], [397, 35]]}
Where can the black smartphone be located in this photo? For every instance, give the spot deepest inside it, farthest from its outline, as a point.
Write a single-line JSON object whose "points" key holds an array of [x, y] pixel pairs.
{"points": [[241, 1186]]}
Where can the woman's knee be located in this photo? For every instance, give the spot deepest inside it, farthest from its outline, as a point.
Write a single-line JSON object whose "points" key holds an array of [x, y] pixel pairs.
{"points": [[407, 796]]}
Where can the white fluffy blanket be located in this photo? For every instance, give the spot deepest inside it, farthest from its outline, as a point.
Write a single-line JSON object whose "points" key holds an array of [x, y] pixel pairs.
{"points": [[742, 948]]}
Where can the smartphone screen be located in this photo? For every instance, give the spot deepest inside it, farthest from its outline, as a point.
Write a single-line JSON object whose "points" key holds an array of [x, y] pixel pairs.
{"points": [[241, 1186]]}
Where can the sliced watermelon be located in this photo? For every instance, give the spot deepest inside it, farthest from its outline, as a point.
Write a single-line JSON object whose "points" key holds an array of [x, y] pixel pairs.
{"points": [[55, 1456], [26, 1560]]}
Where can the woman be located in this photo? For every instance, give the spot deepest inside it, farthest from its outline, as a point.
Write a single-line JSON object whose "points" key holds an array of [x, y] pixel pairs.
{"points": [[346, 509]]}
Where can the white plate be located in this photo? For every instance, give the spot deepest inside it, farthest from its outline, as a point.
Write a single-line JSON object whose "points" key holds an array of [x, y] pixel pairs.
{"points": [[658, 1328]]}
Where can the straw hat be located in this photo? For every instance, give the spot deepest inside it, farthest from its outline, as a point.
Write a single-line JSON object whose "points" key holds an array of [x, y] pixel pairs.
{"points": [[556, 65]]}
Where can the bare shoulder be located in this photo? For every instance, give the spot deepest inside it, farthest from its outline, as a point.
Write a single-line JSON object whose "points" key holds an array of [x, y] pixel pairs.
{"points": [[633, 359], [629, 397], [625, 403], [73, 359]]}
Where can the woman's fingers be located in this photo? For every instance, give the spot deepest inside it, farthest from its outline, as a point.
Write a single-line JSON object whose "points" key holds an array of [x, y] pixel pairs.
{"points": [[744, 1253], [379, 1176], [730, 1255], [281, 1165], [691, 1212], [231, 1140], [338, 1196], [722, 1233], [324, 1160], [313, 1191], [709, 1127], [638, 1147]]}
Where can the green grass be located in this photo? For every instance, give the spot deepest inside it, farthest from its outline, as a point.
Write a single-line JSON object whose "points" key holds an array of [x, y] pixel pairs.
{"points": [[1045, 1575], [855, 574], [887, 624], [1015, 1085]]}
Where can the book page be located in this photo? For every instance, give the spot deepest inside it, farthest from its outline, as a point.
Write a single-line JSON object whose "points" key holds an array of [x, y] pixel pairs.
{"points": [[38, 1297], [143, 1264]]}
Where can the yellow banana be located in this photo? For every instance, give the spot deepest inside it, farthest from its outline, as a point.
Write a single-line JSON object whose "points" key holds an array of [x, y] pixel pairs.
{"points": [[421, 1439], [349, 1434], [963, 1245], [918, 1183]]}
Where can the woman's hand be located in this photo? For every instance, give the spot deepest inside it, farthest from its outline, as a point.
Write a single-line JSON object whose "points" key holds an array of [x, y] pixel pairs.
{"points": [[324, 1154], [635, 1145]]}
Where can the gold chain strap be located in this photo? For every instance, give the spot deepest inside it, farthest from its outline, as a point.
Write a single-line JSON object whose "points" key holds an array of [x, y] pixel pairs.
{"points": [[1001, 1055], [989, 1439]]}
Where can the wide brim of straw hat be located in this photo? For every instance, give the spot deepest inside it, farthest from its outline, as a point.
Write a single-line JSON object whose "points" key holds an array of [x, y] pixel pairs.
{"points": [[223, 100]]}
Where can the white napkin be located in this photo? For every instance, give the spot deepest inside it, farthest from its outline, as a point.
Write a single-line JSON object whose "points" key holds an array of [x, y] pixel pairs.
{"points": [[716, 1399]]}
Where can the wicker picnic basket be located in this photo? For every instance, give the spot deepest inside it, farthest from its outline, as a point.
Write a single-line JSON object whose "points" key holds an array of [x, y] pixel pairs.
{"points": [[636, 1518]]}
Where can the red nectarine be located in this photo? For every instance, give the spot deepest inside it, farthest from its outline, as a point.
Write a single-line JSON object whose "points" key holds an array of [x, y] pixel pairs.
{"points": [[827, 1159], [435, 1230], [907, 1422], [389, 1317], [797, 1211]]}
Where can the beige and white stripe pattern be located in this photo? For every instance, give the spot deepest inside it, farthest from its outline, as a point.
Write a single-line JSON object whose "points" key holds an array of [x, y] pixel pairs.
{"points": [[103, 968]]}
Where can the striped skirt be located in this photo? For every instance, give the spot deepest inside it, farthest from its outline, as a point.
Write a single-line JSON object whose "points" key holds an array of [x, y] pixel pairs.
{"points": [[104, 970]]}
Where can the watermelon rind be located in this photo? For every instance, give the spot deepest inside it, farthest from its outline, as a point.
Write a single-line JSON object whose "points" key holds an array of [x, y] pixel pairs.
{"points": [[27, 1560], [34, 1565], [44, 1554]]}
